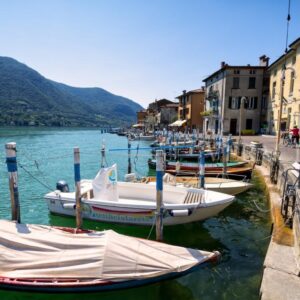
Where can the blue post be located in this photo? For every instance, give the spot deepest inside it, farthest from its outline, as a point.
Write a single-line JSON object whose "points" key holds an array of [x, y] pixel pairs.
{"points": [[11, 161], [159, 194], [229, 143], [129, 155], [77, 187], [224, 161], [202, 169]]}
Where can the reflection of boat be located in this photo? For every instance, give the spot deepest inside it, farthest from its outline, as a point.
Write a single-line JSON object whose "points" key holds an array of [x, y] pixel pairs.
{"points": [[105, 199], [48, 259], [146, 137], [222, 185], [189, 166]]}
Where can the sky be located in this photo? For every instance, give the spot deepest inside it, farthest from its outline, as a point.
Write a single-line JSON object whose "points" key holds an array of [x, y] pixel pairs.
{"points": [[142, 49]]}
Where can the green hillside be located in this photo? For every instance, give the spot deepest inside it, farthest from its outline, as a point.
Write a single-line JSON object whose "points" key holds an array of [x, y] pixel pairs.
{"points": [[28, 98]]}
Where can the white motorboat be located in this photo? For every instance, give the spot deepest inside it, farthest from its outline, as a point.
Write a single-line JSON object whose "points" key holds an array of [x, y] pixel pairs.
{"points": [[106, 199], [58, 259]]}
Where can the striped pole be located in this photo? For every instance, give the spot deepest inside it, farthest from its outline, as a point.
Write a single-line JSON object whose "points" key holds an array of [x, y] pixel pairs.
{"points": [[224, 161], [129, 156], [229, 143], [77, 187], [202, 169], [11, 161], [159, 194]]}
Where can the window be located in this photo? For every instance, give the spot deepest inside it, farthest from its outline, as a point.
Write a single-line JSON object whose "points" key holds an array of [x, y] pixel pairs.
{"points": [[236, 83], [252, 81], [252, 72], [236, 72], [251, 103], [248, 123], [275, 72], [273, 90], [234, 102], [294, 60], [292, 82]]}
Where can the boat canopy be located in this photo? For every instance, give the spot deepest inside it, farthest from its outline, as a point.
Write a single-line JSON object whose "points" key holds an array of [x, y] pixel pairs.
{"points": [[138, 125], [178, 123], [39, 251]]}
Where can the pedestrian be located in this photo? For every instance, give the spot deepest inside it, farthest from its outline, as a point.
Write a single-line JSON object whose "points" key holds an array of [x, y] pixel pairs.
{"points": [[295, 134]]}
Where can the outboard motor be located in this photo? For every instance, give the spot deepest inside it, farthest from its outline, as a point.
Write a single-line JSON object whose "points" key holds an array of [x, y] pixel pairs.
{"points": [[62, 186]]}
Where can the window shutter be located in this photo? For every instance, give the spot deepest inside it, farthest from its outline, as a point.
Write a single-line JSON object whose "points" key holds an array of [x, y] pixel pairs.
{"points": [[255, 102], [230, 102], [239, 102], [246, 104]]}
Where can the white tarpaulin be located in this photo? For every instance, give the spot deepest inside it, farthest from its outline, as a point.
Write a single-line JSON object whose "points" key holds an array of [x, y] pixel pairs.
{"points": [[38, 251], [105, 184]]}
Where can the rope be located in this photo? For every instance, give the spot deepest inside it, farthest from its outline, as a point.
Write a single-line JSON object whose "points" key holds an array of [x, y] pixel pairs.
{"points": [[260, 209], [42, 183], [151, 229]]}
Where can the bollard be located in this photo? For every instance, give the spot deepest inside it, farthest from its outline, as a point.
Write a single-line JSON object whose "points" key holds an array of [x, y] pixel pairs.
{"points": [[159, 194], [129, 156], [11, 161], [202, 169], [77, 187]]}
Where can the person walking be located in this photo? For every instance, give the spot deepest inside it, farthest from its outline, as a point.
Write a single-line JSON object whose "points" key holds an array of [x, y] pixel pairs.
{"points": [[295, 135]]}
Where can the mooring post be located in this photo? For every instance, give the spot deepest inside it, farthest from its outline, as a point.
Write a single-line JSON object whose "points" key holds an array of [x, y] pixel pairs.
{"points": [[159, 194], [224, 161], [229, 143], [129, 156], [77, 187], [11, 161], [202, 168]]}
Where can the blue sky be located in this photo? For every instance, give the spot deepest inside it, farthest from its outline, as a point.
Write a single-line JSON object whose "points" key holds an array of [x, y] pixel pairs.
{"points": [[142, 49]]}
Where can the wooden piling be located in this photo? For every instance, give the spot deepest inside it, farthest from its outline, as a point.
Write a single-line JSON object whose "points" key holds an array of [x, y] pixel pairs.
{"points": [[77, 188], [11, 161], [159, 194], [129, 155]]}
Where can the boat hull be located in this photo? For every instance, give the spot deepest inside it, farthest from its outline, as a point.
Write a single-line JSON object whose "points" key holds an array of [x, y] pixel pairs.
{"points": [[135, 216]]}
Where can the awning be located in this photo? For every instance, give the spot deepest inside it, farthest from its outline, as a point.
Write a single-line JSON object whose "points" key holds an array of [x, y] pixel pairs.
{"points": [[138, 125], [178, 123]]}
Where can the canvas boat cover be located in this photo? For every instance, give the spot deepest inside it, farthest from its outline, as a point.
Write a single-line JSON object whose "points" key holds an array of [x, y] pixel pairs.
{"points": [[38, 251]]}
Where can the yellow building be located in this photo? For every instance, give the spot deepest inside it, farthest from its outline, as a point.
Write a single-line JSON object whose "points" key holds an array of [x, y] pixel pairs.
{"points": [[291, 90]]}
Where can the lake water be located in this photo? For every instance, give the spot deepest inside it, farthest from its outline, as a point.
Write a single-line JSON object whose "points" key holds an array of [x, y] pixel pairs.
{"points": [[240, 233]]}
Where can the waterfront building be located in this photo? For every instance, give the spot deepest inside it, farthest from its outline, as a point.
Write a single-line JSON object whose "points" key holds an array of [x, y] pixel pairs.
{"points": [[291, 90], [227, 88], [158, 115], [191, 106]]}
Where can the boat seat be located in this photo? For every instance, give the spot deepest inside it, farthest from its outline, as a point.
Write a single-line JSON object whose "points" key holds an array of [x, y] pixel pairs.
{"points": [[192, 197]]}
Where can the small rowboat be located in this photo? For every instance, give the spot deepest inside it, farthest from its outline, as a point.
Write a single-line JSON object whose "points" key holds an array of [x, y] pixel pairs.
{"points": [[221, 185], [41, 258], [131, 203]]}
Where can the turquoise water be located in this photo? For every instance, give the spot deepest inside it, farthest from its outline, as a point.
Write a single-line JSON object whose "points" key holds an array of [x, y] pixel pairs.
{"points": [[240, 233]]}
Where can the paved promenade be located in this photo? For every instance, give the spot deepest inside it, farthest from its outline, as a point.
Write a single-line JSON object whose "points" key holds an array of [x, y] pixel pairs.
{"points": [[288, 154]]}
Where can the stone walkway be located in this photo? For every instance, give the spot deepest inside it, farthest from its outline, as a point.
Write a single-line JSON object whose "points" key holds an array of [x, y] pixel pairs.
{"points": [[288, 154]]}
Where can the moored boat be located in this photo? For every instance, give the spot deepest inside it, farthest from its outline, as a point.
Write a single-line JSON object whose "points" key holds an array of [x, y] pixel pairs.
{"points": [[106, 199], [41, 258], [217, 184]]}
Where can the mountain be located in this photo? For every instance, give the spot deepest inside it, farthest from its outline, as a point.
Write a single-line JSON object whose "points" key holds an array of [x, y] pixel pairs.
{"points": [[28, 98]]}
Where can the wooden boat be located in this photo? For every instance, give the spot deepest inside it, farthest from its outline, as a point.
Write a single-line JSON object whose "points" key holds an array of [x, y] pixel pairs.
{"points": [[41, 258], [239, 173], [129, 203], [222, 185], [189, 166]]}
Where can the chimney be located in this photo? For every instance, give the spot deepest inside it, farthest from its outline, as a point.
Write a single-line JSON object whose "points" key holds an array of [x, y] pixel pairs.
{"points": [[223, 64], [264, 61], [184, 92]]}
